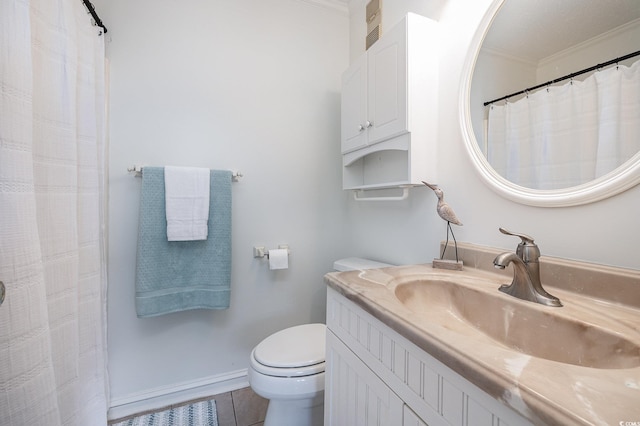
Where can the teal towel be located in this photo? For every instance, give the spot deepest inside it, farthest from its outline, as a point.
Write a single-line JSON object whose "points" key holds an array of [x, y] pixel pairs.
{"points": [[174, 276]]}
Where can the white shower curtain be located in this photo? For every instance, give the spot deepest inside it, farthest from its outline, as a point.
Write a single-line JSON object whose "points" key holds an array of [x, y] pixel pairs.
{"points": [[52, 96], [568, 135]]}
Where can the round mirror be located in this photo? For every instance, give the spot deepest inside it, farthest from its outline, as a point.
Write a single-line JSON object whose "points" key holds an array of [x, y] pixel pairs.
{"points": [[522, 44]]}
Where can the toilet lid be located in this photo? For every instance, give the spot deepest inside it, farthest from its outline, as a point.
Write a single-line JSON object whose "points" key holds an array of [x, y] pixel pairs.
{"points": [[298, 346]]}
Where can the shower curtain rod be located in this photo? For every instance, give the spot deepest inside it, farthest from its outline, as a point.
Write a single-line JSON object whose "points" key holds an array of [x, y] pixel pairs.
{"points": [[94, 15], [567, 77]]}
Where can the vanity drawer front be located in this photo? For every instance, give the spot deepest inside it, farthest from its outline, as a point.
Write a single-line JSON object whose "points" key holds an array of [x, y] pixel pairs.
{"points": [[433, 391]]}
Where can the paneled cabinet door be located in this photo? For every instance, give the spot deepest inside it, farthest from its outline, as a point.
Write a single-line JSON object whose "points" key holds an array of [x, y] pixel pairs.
{"points": [[411, 419], [354, 394], [354, 106], [387, 86], [374, 93]]}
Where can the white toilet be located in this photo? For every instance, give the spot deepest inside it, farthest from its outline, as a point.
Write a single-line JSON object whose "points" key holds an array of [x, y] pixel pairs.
{"points": [[287, 368]]}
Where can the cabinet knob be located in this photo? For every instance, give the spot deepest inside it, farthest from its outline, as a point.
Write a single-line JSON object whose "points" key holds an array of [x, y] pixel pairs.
{"points": [[369, 124], [360, 127]]}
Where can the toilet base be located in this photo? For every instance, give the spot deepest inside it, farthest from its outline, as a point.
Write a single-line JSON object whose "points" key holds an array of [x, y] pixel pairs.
{"points": [[302, 412]]}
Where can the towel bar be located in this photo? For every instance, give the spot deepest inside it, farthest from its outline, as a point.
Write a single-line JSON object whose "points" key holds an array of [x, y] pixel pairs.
{"points": [[137, 170], [405, 194]]}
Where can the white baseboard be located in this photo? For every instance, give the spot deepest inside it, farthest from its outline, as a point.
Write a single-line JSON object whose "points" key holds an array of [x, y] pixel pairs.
{"points": [[165, 396]]}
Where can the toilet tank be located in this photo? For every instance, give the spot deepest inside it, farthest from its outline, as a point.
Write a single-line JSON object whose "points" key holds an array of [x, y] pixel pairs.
{"points": [[356, 263]]}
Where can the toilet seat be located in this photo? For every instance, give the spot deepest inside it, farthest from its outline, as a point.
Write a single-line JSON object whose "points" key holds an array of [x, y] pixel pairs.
{"points": [[292, 352]]}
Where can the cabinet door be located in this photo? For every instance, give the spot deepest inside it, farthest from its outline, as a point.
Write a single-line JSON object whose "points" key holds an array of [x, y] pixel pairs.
{"points": [[411, 419], [354, 395], [354, 106], [387, 81]]}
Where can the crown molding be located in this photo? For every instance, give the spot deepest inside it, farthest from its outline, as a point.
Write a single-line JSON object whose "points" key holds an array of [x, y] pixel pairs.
{"points": [[501, 53], [629, 26]]}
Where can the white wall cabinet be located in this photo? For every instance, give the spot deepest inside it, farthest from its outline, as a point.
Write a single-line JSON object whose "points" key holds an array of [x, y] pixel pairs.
{"points": [[375, 94], [389, 109], [354, 119], [373, 373]]}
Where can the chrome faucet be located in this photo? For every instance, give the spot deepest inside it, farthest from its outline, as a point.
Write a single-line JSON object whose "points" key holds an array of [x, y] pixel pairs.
{"points": [[526, 283]]}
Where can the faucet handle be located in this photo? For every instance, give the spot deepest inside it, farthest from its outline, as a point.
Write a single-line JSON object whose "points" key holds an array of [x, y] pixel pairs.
{"points": [[525, 238], [527, 250]]}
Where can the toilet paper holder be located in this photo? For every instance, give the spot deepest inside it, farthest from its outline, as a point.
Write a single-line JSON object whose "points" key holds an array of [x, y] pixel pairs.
{"points": [[260, 251]]}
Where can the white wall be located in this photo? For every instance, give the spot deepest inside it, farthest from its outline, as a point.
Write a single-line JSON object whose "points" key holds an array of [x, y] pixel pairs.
{"points": [[250, 85], [604, 232], [254, 85], [393, 11], [496, 75], [613, 44]]}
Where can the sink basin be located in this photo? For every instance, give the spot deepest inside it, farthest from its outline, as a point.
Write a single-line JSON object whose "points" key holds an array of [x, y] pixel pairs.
{"points": [[556, 334]]}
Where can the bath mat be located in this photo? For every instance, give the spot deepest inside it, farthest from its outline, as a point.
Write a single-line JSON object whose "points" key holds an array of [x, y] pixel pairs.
{"points": [[201, 413]]}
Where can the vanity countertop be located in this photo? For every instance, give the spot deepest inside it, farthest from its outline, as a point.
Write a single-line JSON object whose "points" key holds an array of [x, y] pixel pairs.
{"points": [[542, 390]]}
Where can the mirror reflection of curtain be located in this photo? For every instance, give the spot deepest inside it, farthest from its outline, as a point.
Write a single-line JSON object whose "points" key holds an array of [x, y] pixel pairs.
{"points": [[52, 103], [567, 135]]}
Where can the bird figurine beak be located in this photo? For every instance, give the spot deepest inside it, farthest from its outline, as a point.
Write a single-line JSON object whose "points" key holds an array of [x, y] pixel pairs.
{"points": [[430, 186]]}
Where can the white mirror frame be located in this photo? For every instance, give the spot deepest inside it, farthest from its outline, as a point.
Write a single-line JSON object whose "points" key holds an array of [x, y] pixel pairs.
{"points": [[619, 180]]}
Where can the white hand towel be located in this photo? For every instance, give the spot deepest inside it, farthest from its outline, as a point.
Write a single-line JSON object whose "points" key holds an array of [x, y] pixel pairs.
{"points": [[187, 203]]}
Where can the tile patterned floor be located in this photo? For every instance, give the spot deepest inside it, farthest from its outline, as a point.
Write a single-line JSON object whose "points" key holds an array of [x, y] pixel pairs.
{"points": [[241, 407]]}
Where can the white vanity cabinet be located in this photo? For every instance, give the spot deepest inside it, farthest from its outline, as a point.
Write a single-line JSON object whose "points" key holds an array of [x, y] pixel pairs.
{"points": [[389, 109], [375, 376], [357, 395], [362, 397]]}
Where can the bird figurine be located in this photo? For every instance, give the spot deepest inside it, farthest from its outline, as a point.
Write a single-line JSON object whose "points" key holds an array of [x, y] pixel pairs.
{"points": [[445, 212]]}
